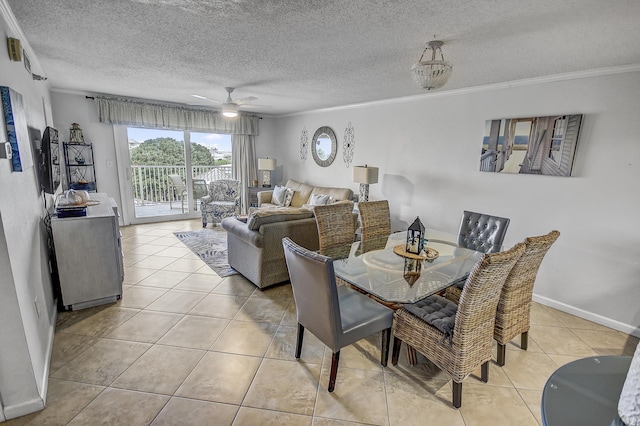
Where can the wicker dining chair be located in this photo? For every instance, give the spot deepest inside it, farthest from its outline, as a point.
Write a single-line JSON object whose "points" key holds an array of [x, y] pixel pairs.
{"points": [[513, 315], [458, 338], [336, 229], [375, 221], [480, 232], [337, 315]]}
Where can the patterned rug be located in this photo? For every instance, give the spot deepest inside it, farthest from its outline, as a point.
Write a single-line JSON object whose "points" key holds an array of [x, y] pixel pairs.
{"points": [[210, 245]]}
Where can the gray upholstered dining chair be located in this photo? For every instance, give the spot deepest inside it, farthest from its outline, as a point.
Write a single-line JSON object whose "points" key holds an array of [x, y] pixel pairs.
{"points": [[513, 315], [480, 232], [337, 315], [458, 338], [336, 229], [375, 224]]}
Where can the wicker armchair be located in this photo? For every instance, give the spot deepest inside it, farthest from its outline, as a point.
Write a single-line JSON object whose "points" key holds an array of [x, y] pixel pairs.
{"points": [[336, 229], [514, 307], [480, 232], [375, 222], [223, 201], [460, 350]]}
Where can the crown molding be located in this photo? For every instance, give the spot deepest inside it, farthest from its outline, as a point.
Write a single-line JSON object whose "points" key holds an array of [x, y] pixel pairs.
{"points": [[623, 69]]}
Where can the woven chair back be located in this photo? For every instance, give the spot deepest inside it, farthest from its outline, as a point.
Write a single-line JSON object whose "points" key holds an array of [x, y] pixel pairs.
{"points": [[375, 221], [476, 313], [336, 229], [513, 313]]}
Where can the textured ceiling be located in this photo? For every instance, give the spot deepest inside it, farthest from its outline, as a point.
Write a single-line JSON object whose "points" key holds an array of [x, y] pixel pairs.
{"points": [[305, 55]]}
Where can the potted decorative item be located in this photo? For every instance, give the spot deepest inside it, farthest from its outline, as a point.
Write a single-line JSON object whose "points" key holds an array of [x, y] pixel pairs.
{"points": [[75, 134]]}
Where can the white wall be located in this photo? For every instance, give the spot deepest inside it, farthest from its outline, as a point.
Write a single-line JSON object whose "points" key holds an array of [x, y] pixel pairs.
{"points": [[26, 331], [428, 151]]}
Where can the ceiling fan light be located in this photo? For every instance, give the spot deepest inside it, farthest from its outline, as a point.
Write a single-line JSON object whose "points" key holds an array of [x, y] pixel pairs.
{"points": [[230, 110]]}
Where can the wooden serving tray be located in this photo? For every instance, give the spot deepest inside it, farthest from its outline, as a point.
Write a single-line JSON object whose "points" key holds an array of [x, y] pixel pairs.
{"points": [[431, 253]]}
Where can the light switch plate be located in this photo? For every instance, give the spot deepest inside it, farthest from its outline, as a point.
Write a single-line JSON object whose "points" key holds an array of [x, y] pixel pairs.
{"points": [[5, 150]]}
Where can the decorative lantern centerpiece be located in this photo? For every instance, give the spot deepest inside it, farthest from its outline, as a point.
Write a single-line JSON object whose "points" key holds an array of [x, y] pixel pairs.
{"points": [[415, 237], [75, 134]]}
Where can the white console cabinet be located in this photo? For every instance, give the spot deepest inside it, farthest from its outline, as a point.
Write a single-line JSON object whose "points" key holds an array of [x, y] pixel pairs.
{"points": [[89, 255]]}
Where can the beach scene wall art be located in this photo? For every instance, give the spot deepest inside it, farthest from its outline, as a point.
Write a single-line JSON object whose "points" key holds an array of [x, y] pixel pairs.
{"points": [[531, 145]]}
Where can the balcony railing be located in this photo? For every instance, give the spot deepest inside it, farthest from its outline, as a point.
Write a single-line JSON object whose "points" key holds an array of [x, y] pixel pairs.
{"points": [[151, 184]]}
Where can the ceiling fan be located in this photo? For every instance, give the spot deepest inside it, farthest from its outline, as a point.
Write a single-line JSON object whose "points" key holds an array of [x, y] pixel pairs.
{"points": [[229, 107]]}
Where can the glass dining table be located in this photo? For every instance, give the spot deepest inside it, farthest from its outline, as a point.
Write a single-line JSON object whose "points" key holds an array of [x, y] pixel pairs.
{"points": [[394, 281]]}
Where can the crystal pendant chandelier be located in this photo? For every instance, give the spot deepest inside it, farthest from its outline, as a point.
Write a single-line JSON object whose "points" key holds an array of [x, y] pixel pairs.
{"points": [[431, 73]]}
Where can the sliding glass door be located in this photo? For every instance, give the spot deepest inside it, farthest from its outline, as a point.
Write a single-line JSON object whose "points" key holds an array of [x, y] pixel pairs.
{"points": [[169, 171]]}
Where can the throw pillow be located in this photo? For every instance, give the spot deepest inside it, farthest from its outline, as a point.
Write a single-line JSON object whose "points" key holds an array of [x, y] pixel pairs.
{"points": [[318, 200], [288, 196], [277, 197]]}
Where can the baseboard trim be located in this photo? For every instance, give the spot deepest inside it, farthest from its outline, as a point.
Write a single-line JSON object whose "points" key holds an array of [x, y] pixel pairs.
{"points": [[590, 316]]}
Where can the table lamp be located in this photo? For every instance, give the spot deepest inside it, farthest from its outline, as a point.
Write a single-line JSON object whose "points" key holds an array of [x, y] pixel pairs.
{"points": [[266, 165], [365, 176]]}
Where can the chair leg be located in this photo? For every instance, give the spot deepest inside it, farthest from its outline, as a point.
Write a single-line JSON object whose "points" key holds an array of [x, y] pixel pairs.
{"points": [[457, 394], [299, 340], [524, 340], [484, 372], [397, 343], [501, 354], [204, 224], [412, 355], [386, 339], [335, 359]]}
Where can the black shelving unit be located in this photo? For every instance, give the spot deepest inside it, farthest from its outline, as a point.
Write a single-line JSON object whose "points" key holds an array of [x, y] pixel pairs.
{"points": [[78, 159]]}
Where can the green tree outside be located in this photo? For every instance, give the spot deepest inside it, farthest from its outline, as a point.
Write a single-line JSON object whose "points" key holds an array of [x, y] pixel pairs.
{"points": [[166, 152]]}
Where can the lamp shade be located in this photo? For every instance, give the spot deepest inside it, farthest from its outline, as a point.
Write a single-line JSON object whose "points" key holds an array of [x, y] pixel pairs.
{"points": [[266, 164], [364, 174]]}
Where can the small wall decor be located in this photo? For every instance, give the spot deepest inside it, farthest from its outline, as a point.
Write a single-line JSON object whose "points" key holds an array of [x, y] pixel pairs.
{"points": [[531, 145], [348, 145], [304, 144], [75, 134], [324, 146]]}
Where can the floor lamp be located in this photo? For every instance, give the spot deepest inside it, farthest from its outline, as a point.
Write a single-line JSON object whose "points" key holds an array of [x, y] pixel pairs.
{"points": [[365, 176], [266, 165]]}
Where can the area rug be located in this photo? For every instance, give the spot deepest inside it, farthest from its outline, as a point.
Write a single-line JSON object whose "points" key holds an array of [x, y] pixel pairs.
{"points": [[210, 245]]}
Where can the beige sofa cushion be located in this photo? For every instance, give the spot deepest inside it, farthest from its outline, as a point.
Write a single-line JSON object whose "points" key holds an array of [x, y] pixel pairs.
{"points": [[301, 194], [278, 214], [339, 194]]}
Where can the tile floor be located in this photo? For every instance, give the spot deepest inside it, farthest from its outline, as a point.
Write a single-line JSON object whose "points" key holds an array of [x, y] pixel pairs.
{"points": [[186, 347]]}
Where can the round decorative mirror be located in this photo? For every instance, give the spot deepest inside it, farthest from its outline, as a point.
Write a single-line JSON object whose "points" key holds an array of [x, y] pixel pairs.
{"points": [[324, 146]]}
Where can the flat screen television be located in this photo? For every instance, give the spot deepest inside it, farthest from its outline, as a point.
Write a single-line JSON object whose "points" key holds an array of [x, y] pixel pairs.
{"points": [[48, 164]]}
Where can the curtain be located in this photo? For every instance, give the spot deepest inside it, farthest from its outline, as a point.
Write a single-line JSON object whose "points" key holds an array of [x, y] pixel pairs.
{"points": [[142, 114], [243, 164]]}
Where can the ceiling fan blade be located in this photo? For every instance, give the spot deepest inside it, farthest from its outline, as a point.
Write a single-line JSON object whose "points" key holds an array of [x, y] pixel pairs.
{"points": [[207, 99], [245, 100]]}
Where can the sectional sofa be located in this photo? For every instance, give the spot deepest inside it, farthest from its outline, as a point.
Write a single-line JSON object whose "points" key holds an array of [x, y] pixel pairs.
{"points": [[255, 243]]}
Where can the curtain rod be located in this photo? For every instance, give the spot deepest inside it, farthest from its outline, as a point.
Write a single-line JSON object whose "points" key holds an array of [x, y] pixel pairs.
{"points": [[259, 117]]}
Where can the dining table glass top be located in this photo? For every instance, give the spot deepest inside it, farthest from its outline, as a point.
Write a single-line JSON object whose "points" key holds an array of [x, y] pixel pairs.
{"points": [[393, 278]]}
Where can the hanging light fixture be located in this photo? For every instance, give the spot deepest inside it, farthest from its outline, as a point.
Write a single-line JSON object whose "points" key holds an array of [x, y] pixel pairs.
{"points": [[229, 109], [431, 73]]}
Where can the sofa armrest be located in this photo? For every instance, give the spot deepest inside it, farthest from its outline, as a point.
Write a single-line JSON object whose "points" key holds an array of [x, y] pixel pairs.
{"points": [[242, 231], [264, 197], [206, 199]]}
